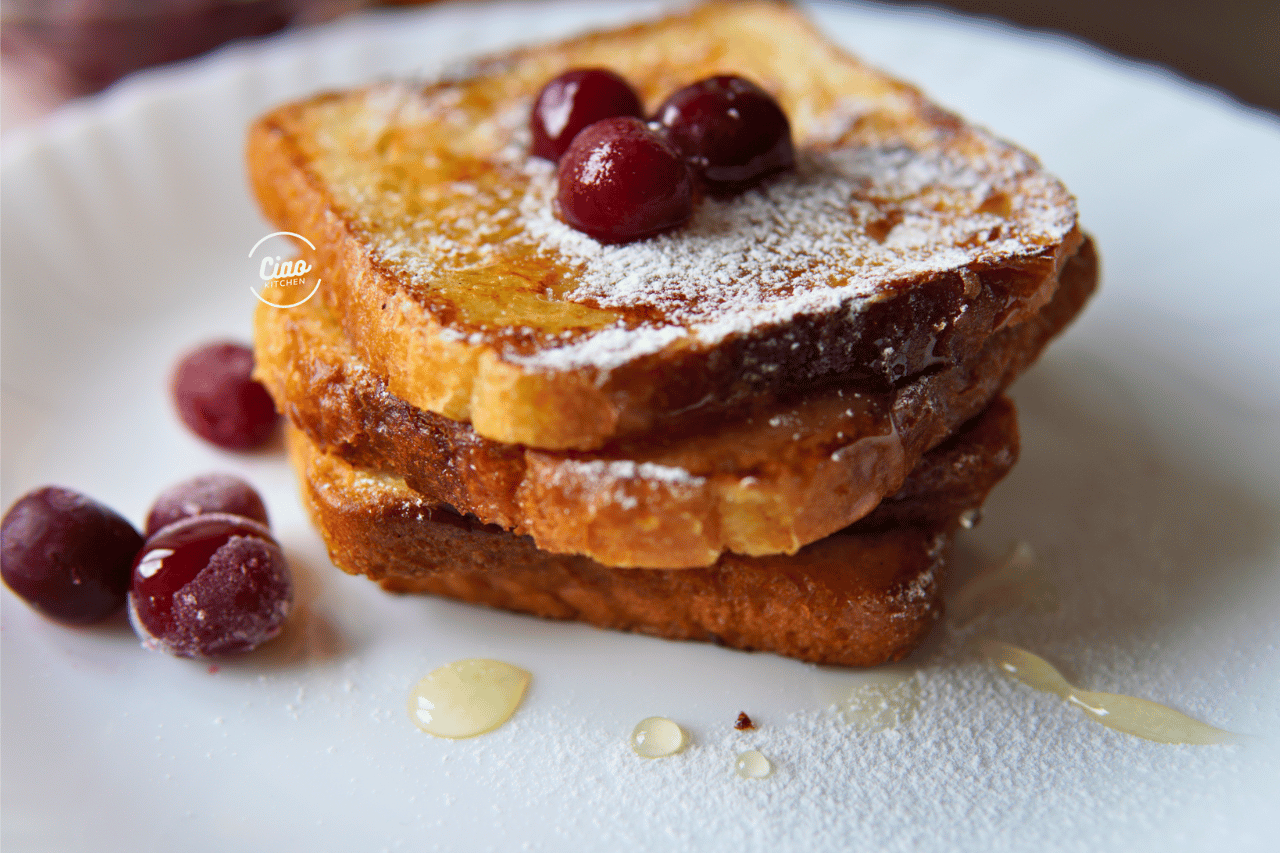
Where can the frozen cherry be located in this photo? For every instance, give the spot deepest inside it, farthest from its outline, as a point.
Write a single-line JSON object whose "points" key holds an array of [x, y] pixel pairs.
{"points": [[209, 585], [219, 400], [67, 555], [621, 181], [205, 494], [573, 101], [731, 131]]}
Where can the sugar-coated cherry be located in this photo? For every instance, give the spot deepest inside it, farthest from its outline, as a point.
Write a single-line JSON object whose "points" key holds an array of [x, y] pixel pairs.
{"points": [[219, 400], [621, 180], [573, 101], [67, 555], [732, 132], [209, 585], [204, 494]]}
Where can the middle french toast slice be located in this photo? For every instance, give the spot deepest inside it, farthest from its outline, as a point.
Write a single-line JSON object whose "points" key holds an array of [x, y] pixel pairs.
{"points": [[768, 483]]}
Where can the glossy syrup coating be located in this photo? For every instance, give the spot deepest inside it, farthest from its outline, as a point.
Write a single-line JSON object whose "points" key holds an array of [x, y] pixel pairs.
{"points": [[67, 555], [209, 585], [575, 100], [204, 494], [621, 181], [732, 132], [218, 399]]}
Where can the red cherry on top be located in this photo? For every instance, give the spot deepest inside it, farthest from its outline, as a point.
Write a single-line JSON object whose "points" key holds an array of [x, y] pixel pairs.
{"points": [[732, 132], [575, 100], [621, 181]]}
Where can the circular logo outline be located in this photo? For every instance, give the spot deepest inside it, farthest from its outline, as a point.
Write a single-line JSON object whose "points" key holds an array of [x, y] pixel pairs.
{"points": [[283, 234]]}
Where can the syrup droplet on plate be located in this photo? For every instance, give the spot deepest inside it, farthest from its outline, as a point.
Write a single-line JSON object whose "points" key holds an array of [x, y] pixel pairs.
{"points": [[467, 697], [658, 737], [885, 699], [752, 765], [1019, 583], [1128, 714]]}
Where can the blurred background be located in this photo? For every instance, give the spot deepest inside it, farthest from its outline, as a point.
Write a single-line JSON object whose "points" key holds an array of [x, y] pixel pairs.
{"points": [[54, 50]]}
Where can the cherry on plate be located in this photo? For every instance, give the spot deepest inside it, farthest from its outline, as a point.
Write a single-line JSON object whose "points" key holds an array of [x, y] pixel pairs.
{"points": [[209, 585], [573, 101], [204, 494], [621, 181], [67, 555], [732, 132], [219, 400]]}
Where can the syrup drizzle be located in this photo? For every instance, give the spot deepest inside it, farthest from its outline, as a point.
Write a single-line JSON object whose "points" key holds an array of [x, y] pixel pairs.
{"points": [[467, 697], [1128, 714], [752, 765], [658, 737]]}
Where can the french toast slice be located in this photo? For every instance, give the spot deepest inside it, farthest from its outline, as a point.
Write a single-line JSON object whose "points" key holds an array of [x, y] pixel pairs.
{"points": [[768, 483], [902, 241], [861, 597]]}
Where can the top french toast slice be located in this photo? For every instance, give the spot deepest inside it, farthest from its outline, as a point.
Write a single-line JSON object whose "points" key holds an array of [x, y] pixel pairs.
{"points": [[902, 240]]}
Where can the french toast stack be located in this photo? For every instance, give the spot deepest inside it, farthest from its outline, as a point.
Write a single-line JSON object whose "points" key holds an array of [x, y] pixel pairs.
{"points": [[759, 429]]}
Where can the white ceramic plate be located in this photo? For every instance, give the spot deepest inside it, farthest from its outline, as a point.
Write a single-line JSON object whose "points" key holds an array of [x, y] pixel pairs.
{"points": [[1149, 486]]}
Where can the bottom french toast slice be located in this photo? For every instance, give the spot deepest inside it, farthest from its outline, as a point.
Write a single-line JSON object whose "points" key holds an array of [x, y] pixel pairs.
{"points": [[771, 482], [861, 597]]}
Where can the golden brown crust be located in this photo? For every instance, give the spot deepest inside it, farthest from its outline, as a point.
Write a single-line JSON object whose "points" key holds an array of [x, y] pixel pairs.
{"points": [[952, 480], [770, 483], [459, 342], [861, 597]]}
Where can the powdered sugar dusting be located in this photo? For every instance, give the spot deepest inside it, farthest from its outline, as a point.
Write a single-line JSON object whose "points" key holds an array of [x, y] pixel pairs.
{"points": [[856, 217], [606, 349], [800, 244], [627, 470]]}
